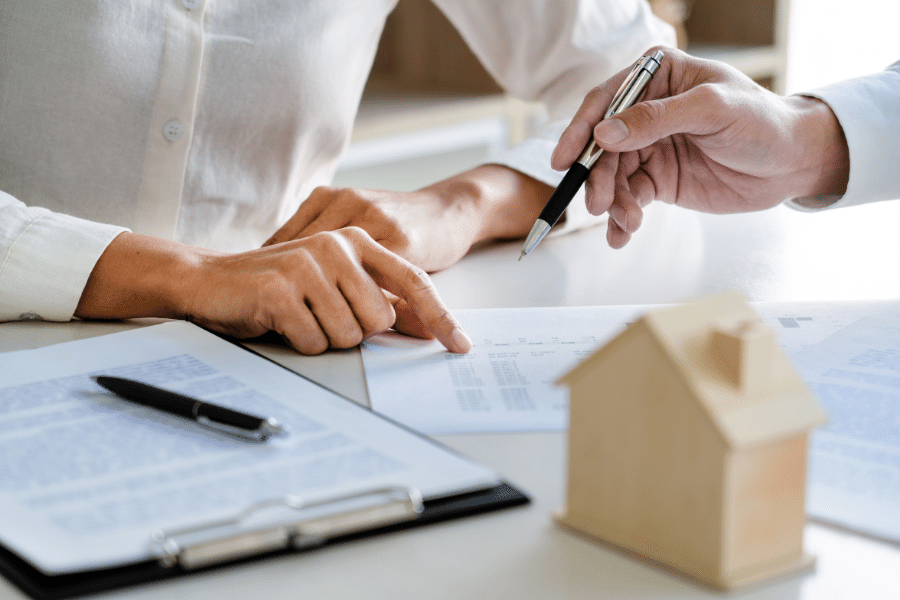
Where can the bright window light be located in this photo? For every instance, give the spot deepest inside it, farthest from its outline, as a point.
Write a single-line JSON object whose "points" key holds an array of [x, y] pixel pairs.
{"points": [[831, 40]]}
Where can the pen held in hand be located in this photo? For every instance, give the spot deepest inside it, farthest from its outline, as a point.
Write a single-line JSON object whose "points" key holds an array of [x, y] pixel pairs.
{"points": [[210, 415], [628, 93]]}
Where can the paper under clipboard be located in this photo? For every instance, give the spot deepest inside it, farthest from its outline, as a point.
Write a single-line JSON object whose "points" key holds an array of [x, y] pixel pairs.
{"points": [[97, 494]]}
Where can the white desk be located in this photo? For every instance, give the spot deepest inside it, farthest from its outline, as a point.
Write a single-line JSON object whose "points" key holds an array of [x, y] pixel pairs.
{"points": [[777, 255]]}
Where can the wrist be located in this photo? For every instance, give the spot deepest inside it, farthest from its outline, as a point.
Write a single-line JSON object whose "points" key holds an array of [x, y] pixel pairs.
{"points": [[141, 276], [824, 165], [501, 203]]}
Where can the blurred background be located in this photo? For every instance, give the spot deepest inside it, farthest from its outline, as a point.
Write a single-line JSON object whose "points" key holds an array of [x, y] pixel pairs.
{"points": [[430, 110]]}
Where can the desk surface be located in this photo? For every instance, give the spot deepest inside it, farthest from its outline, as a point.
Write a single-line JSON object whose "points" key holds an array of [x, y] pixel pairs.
{"points": [[776, 255]]}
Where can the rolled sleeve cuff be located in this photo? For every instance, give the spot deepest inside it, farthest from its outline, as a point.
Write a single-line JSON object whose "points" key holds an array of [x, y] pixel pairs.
{"points": [[868, 109], [48, 264], [532, 157]]}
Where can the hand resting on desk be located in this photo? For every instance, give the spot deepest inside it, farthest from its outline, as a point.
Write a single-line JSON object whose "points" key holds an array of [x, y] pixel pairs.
{"points": [[330, 290], [432, 227], [704, 137]]}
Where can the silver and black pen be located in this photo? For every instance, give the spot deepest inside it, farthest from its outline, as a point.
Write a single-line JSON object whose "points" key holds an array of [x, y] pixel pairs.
{"points": [[628, 93], [220, 418]]}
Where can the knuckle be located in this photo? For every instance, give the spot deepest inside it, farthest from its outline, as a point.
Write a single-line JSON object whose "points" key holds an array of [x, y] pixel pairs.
{"points": [[296, 265], [324, 241], [347, 335], [646, 113], [323, 190], [417, 280], [711, 95], [320, 196], [354, 237], [355, 233], [381, 320], [311, 346], [596, 93], [446, 322], [348, 198]]}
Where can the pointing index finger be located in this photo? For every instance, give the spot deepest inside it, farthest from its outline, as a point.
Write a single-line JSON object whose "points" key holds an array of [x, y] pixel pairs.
{"points": [[413, 284]]}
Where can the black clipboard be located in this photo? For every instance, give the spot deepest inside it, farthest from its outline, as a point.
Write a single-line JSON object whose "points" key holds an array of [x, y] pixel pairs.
{"points": [[209, 546], [41, 586]]}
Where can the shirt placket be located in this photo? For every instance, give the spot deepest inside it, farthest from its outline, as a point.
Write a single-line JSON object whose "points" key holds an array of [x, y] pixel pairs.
{"points": [[172, 125]]}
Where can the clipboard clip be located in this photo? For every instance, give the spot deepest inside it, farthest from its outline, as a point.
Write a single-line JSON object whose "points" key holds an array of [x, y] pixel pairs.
{"points": [[237, 537]]}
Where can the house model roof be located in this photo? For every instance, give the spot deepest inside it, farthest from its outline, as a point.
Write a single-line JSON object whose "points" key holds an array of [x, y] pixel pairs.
{"points": [[732, 364]]}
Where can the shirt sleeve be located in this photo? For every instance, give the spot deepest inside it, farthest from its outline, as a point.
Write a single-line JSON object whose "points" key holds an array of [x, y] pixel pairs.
{"points": [[554, 51], [45, 260], [868, 109]]}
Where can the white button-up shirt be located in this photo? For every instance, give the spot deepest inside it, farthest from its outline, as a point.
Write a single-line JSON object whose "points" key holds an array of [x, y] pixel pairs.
{"points": [[209, 121]]}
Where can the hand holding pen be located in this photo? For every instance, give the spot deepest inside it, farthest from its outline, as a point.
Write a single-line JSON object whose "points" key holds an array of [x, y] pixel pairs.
{"points": [[704, 136], [631, 88]]}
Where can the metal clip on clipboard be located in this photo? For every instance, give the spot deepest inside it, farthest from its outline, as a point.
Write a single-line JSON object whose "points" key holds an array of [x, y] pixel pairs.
{"points": [[233, 538]]}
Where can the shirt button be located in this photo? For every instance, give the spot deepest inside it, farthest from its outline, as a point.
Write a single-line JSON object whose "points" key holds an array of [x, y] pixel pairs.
{"points": [[173, 130], [191, 4]]}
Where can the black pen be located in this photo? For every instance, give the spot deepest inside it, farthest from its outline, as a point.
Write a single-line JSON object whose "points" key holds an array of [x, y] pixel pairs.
{"points": [[628, 93], [217, 417]]}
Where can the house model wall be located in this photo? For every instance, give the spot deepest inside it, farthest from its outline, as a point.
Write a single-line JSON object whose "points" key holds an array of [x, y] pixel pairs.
{"points": [[687, 445]]}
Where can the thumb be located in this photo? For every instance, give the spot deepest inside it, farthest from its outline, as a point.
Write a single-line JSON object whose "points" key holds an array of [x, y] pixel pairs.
{"points": [[647, 122]]}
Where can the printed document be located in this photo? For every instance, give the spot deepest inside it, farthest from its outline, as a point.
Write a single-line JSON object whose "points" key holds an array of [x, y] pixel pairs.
{"points": [[506, 383], [86, 478], [854, 477]]}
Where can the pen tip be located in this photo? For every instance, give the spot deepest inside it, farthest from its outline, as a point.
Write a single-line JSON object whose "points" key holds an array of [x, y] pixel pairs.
{"points": [[521, 256]]}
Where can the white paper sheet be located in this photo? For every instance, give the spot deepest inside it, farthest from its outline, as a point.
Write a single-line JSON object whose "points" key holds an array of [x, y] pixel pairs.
{"points": [[506, 382], [854, 477], [85, 477]]}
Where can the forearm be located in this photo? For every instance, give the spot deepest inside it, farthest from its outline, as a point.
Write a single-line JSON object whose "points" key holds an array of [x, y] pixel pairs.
{"points": [[824, 160], [139, 276], [501, 202], [869, 115]]}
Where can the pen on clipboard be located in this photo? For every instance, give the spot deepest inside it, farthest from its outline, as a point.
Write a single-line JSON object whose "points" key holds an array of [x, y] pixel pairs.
{"points": [[628, 93], [211, 415]]}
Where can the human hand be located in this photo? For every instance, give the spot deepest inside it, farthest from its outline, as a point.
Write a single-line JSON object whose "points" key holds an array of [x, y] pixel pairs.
{"points": [[704, 137], [331, 290], [433, 227], [426, 228]]}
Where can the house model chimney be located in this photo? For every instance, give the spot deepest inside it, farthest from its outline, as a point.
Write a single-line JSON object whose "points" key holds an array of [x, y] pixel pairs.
{"points": [[745, 352]]}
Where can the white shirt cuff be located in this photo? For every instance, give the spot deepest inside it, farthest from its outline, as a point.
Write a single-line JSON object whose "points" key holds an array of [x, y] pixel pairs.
{"points": [[868, 109], [47, 265]]}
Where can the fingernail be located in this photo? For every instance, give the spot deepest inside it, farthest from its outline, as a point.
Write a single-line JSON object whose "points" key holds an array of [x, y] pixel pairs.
{"points": [[618, 214], [589, 198], [611, 131], [461, 341]]}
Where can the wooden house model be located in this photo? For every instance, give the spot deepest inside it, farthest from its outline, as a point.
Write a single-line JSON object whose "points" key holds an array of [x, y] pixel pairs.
{"points": [[688, 445]]}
